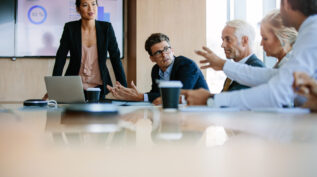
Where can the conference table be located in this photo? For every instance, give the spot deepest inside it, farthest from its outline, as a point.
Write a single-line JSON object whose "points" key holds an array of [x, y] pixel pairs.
{"points": [[142, 141]]}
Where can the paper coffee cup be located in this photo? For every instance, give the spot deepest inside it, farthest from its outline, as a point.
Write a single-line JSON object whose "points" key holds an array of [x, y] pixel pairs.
{"points": [[93, 95], [170, 91]]}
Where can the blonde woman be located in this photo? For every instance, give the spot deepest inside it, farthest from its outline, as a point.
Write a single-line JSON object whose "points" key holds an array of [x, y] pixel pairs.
{"points": [[277, 39]]}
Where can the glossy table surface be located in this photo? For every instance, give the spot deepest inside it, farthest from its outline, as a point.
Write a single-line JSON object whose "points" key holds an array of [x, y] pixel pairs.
{"points": [[147, 141]]}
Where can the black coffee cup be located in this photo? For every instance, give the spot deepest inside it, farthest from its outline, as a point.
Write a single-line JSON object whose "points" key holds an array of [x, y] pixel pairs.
{"points": [[170, 91], [93, 95]]}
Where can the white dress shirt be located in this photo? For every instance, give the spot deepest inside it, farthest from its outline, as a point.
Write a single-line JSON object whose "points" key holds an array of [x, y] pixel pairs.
{"points": [[273, 86], [283, 61], [242, 61], [252, 76], [249, 75]]}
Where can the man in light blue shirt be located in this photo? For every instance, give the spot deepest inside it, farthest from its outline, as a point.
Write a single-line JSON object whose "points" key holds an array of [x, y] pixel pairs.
{"points": [[275, 86], [167, 74]]}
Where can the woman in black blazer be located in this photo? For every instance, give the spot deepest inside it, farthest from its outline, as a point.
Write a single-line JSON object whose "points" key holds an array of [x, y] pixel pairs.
{"points": [[87, 33]]}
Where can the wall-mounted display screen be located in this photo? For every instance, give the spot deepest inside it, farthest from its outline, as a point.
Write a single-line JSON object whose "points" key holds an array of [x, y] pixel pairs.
{"points": [[39, 24], [7, 11]]}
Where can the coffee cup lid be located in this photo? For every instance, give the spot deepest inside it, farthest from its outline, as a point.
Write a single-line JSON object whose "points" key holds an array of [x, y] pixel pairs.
{"points": [[93, 89], [170, 84]]}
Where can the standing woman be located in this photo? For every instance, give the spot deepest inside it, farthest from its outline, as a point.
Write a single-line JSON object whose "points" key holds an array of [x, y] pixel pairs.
{"points": [[88, 42]]}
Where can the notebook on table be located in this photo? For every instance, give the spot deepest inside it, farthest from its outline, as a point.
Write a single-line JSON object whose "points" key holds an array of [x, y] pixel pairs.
{"points": [[65, 89]]}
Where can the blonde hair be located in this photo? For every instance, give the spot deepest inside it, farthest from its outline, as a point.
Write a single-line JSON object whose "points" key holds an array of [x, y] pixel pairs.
{"points": [[242, 28], [286, 35]]}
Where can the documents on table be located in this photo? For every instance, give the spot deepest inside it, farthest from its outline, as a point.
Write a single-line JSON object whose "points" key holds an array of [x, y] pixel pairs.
{"points": [[283, 110], [208, 109], [131, 103], [232, 109]]}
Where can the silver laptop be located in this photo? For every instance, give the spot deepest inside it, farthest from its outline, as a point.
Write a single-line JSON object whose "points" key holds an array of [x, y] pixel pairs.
{"points": [[65, 89]]}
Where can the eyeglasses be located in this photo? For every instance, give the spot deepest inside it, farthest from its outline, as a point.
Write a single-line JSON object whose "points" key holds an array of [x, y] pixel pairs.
{"points": [[159, 53]]}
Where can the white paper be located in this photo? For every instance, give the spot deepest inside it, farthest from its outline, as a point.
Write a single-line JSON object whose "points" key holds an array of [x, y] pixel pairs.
{"points": [[207, 109], [283, 110]]}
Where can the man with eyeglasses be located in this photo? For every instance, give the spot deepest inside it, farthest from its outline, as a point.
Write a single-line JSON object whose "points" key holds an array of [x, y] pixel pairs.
{"points": [[167, 67]]}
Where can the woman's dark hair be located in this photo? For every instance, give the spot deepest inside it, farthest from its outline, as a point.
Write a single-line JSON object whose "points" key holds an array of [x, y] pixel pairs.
{"points": [[307, 7], [78, 3], [154, 39]]}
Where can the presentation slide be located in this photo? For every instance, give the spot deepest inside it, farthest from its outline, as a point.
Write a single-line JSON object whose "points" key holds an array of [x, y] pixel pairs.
{"points": [[39, 24]]}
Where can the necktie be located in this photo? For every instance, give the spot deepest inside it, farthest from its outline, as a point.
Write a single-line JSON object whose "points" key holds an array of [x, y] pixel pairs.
{"points": [[226, 85]]}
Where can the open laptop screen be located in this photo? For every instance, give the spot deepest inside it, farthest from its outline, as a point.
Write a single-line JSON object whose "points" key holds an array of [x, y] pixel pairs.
{"points": [[65, 89]]}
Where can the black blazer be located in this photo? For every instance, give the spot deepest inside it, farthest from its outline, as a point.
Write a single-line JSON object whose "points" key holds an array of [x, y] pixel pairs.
{"points": [[184, 70], [253, 61], [106, 42]]}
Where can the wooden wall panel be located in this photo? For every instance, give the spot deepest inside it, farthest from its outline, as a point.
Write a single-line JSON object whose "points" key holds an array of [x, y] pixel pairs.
{"points": [[24, 78]]}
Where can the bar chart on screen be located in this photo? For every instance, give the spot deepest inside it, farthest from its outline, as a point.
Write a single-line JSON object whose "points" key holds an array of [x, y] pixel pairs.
{"points": [[102, 16]]}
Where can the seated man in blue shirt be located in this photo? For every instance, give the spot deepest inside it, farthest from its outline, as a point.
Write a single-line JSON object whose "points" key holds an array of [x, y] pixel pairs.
{"points": [[167, 67]]}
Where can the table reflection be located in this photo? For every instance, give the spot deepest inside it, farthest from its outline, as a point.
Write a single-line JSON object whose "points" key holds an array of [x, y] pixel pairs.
{"points": [[141, 127]]}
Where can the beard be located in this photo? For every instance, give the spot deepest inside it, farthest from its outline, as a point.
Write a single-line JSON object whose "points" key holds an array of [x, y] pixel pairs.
{"points": [[232, 54]]}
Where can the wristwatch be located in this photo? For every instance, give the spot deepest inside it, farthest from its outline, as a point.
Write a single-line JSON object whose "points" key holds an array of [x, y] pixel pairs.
{"points": [[211, 101]]}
